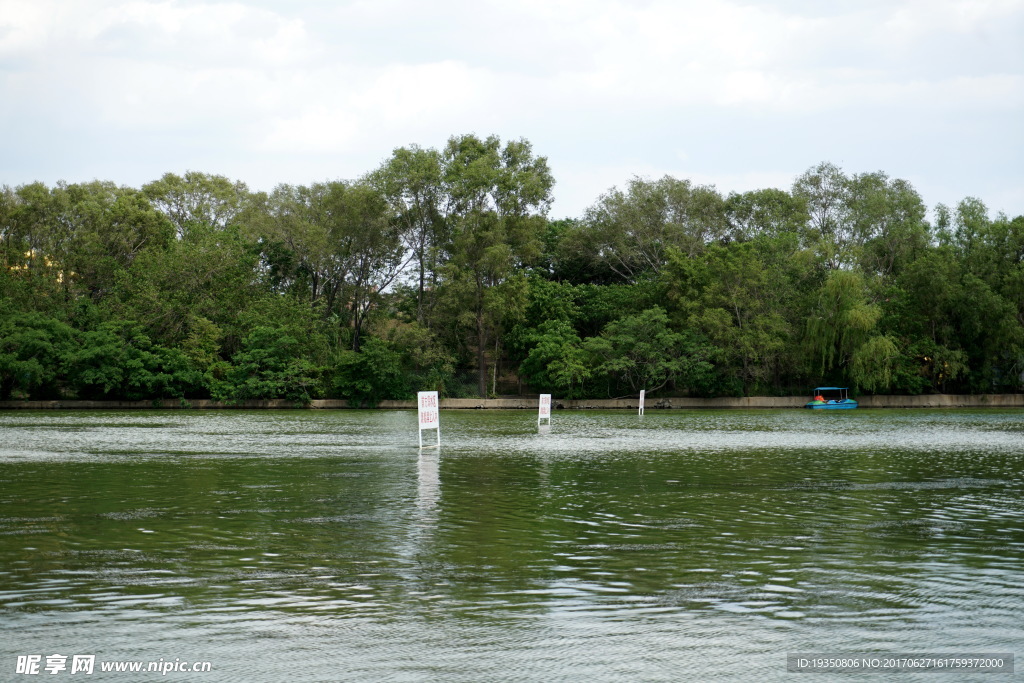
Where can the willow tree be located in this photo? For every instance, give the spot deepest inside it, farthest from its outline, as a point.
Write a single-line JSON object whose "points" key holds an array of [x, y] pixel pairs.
{"points": [[842, 334]]}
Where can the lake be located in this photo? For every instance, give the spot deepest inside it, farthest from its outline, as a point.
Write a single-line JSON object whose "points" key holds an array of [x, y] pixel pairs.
{"points": [[681, 545]]}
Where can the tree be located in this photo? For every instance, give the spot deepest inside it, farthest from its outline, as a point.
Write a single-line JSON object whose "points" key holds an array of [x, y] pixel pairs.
{"points": [[498, 197], [842, 334], [372, 375], [411, 181], [368, 242], [630, 232], [765, 213], [108, 228], [31, 350], [336, 245], [197, 285], [270, 365], [197, 199], [118, 360], [642, 352], [824, 190], [75, 239], [569, 256], [556, 360], [36, 239], [887, 223], [732, 297]]}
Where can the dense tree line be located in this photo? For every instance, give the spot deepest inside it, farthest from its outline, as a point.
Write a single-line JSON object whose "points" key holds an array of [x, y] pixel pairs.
{"points": [[441, 270]]}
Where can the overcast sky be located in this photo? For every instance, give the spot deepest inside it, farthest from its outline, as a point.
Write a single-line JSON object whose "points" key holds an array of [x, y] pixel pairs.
{"points": [[741, 95]]}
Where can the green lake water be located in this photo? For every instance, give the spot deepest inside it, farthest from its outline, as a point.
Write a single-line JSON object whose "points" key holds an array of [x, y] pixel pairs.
{"points": [[681, 545]]}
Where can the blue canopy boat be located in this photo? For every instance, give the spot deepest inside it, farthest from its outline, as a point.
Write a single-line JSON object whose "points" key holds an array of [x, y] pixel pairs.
{"points": [[831, 398]]}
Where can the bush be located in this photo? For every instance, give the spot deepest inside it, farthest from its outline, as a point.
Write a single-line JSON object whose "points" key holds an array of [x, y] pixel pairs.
{"points": [[269, 365]]}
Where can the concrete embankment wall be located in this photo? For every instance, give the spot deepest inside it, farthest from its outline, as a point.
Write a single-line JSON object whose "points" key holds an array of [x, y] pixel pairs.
{"points": [[945, 401], [530, 403]]}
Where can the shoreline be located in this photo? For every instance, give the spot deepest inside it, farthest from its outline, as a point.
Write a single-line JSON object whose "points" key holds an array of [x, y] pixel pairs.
{"points": [[530, 403]]}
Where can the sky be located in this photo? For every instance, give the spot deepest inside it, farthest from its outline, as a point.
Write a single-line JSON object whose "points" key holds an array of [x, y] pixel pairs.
{"points": [[739, 95]]}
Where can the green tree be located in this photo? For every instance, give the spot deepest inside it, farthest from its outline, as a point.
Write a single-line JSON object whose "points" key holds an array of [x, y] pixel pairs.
{"points": [[374, 374], [630, 232], [197, 199], [36, 239], [498, 197], [737, 301], [369, 242], [642, 352], [920, 310], [198, 285], [31, 350], [118, 360], [411, 181], [335, 244], [887, 223], [768, 213], [426, 363], [824, 189], [106, 228], [842, 334], [270, 365], [556, 360]]}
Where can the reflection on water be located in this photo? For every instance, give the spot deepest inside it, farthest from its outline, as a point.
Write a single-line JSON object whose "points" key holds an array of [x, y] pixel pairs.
{"points": [[429, 480], [326, 545]]}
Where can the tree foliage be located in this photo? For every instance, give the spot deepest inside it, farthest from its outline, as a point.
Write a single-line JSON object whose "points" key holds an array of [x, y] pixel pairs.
{"points": [[441, 270], [643, 352]]}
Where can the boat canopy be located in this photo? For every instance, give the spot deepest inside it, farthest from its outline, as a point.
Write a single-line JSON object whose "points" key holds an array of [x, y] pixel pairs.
{"points": [[830, 388]]}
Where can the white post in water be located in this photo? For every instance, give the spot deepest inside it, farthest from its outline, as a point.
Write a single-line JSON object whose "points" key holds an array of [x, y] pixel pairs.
{"points": [[545, 408], [427, 407], [642, 392]]}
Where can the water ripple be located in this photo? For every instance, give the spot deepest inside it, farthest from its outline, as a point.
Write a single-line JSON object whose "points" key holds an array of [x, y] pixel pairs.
{"points": [[685, 544]]}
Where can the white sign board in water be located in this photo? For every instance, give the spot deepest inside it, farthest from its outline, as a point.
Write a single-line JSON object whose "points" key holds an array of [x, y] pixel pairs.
{"points": [[428, 408], [642, 392], [544, 412]]}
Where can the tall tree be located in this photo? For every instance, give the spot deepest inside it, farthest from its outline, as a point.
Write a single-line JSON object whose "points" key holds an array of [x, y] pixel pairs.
{"points": [[367, 241], [336, 244], [197, 199], [498, 198], [411, 180], [825, 191], [108, 227], [771, 213], [735, 299], [887, 223], [192, 290], [630, 231]]}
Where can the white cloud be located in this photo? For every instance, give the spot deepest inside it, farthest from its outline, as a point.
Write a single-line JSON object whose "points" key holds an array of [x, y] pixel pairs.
{"points": [[607, 89], [317, 130], [197, 35]]}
